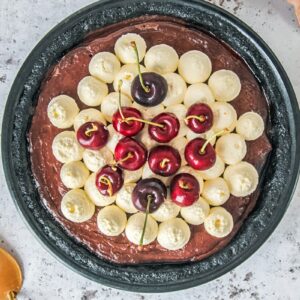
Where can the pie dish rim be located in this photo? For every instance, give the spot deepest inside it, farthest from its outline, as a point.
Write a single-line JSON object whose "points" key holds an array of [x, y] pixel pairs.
{"points": [[147, 278]]}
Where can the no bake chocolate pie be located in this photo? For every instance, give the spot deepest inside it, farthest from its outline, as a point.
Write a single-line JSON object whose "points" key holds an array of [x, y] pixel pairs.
{"points": [[148, 141]]}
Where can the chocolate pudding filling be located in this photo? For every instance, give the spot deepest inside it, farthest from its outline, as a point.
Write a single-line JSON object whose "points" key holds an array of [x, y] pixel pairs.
{"points": [[64, 78]]}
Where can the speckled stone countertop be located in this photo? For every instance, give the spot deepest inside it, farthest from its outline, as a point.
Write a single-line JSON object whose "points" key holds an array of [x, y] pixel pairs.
{"points": [[273, 272]]}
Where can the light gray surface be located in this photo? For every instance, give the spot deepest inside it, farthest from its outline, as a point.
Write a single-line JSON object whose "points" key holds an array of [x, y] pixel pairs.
{"points": [[273, 272]]}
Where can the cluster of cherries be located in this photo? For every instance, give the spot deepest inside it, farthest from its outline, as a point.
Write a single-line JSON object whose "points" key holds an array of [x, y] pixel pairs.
{"points": [[150, 89]]}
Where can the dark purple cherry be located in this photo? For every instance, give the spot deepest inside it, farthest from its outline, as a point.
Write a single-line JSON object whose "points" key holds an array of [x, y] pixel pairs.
{"points": [[150, 190], [147, 89], [147, 196], [155, 92]]}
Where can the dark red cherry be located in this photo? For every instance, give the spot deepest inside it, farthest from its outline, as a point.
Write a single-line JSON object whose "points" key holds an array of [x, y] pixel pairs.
{"points": [[164, 160], [109, 180], [129, 127], [200, 154], [199, 117], [155, 92], [167, 131], [149, 189], [184, 189], [92, 135], [130, 154]]}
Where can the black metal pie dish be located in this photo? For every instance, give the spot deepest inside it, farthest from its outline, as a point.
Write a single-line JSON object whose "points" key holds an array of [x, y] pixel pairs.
{"points": [[277, 184]]}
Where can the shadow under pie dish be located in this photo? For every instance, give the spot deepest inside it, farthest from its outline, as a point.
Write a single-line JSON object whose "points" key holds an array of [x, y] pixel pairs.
{"points": [[162, 29]]}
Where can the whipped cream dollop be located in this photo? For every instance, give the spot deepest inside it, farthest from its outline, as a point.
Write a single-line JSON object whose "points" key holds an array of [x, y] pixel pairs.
{"points": [[225, 116], [180, 143], [231, 148], [196, 213], [125, 51], [104, 66], [194, 66], [173, 234], [225, 85], [66, 148], [130, 176], [62, 111], [111, 220], [242, 179], [219, 222], [167, 210], [76, 206], [96, 159], [216, 191], [198, 93], [250, 125], [74, 174], [161, 59], [91, 91], [134, 229], [176, 89]]}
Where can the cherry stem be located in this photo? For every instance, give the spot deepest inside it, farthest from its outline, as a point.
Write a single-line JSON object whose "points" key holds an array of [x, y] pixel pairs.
{"points": [[120, 83], [12, 295], [90, 130], [184, 185], [144, 121], [149, 199], [104, 180], [128, 156], [164, 162], [146, 89], [202, 150], [200, 118]]}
